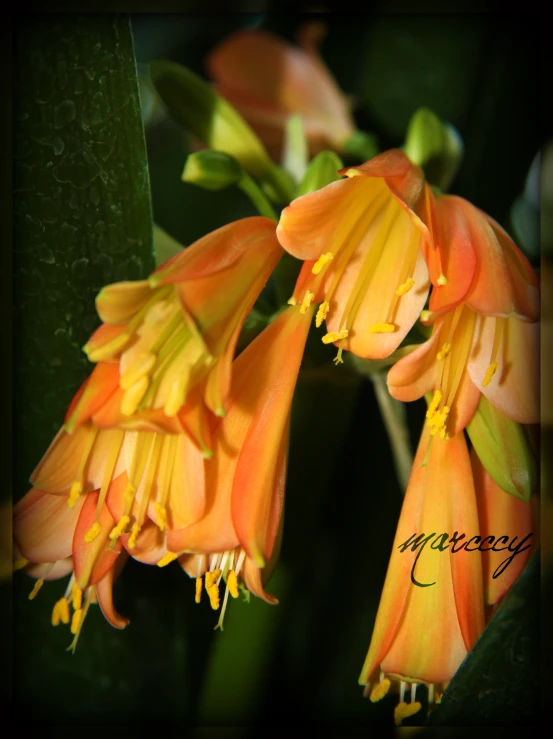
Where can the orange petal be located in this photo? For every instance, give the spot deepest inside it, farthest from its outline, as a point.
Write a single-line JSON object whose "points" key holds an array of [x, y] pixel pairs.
{"points": [[92, 560], [503, 515], [56, 470], [43, 526], [195, 565], [150, 545], [514, 388], [186, 501], [253, 579], [101, 385], [104, 595], [440, 499], [61, 568], [119, 302], [417, 373]]}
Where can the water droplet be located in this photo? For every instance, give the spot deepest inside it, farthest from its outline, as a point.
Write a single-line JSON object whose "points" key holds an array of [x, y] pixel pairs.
{"points": [[58, 145], [64, 113], [46, 255]]}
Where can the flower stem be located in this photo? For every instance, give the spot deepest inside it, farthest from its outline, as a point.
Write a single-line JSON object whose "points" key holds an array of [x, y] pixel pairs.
{"points": [[393, 414], [255, 194]]}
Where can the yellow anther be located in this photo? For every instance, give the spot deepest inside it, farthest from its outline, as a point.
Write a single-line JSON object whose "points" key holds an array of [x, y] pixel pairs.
{"points": [[132, 397], [382, 328], [116, 531], [490, 372], [444, 351], [76, 621], [232, 583], [213, 592], [321, 262], [167, 559], [322, 313], [425, 315], [76, 596], [134, 536], [211, 577], [199, 582], [404, 710], [442, 280], [161, 513], [175, 397], [380, 690], [20, 563], [436, 400], [92, 532], [76, 490], [107, 350], [335, 336], [306, 302], [129, 491], [407, 285], [292, 301], [61, 612], [36, 588], [438, 421], [142, 366]]}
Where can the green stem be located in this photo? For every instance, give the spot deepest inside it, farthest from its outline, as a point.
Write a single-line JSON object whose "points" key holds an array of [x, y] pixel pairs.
{"points": [[251, 189], [393, 414]]}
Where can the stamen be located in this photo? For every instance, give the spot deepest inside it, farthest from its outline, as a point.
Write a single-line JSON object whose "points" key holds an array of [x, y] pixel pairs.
{"points": [[404, 710], [213, 592], [322, 313], [76, 620], [92, 532], [490, 372], [335, 336], [38, 584], [76, 490], [232, 583], [211, 578], [176, 395], [107, 350], [380, 690], [76, 596], [405, 287], [402, 687], [306, 302], [167, 559], [199, 582], [60, 612], [161, 513], [382, 328], [323, 260], [444, 351], [142, 366], [436, 400], [116, 531], [438, 422], [413, 692], [431, 694], [132, 397], [134, 536]]}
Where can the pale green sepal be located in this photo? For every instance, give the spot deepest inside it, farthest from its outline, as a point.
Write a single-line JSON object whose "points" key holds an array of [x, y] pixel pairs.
{"points": [[434, 146], [212, 170], [361, 146], [296, 152], [503, 448], [165, 246], [322, 170], [196, 106]]}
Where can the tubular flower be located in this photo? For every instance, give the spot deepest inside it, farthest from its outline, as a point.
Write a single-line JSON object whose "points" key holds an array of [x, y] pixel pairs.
{"points": [[484, 306], [268, 80], [52, 542], [361, 238], [239, 531], [167, 343], [515, 520], [432, 609]]}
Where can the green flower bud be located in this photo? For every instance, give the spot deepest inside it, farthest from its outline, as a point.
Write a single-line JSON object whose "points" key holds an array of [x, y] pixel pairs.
{"points": [[322, 170], [212, 170]]}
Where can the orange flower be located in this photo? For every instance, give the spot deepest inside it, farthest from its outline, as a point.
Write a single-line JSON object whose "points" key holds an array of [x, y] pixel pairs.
{"points": [[362, 239], [484, 306], [167, 343], [432, 609], [508, 520], [245, 479], [268, 80]]}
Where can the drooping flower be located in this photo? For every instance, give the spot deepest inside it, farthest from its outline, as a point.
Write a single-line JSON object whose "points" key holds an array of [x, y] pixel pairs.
{"points": [[432, 608], [484, 306], [167, 343], [362, 238], [245, 479], [267, 80], [506, 520]]}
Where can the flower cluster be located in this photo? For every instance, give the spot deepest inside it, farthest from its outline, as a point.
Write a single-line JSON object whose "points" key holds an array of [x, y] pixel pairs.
{"points": [[175, 447]]}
